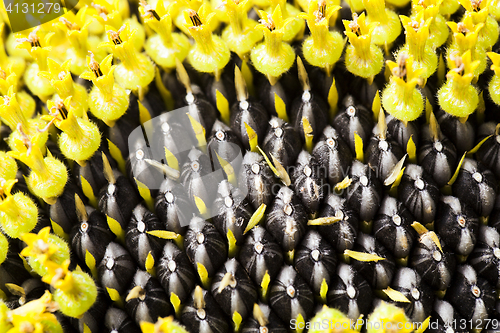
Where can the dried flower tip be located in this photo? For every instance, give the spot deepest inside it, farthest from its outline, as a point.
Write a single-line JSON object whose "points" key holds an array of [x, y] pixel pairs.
{"points": [[100, 9], [354, 25], [462, 28], [149, 11], [69, 24], [94, 65], [400, 70], [321, 12], [3, 74], [24, 137], [269, 23], [33, 38], [416, 25], [115, 37], [195, 18], [460, 66], [476, 4]]}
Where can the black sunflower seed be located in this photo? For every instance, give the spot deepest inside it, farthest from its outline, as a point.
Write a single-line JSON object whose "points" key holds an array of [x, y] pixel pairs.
{"points": [[146, 299], [350, 293], [419, 193], [117, 268], [175, 272], [341, 234], [409, 283], [287, 219], [259, 179], [204, 245], [476, 186], [377, 273], [233, 290], [392, 227], [472, 296], [315, 261], [137, 240], [232, 209], [333, 155], [291, 296], [282, 142], [458, 224], [307, 179], [260, 254]]}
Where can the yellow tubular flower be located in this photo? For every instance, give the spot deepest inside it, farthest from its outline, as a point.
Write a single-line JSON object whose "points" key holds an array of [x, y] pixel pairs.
{"points": [[417, 34], [295, 28], [35, 316], [273, 57], [136, 71], [75, 292], [8, 78], [48, 176], [80, 138], [109, 13], [457, 96], [107, 100], [465, 37], [209, 54], [400, 98], [183, 22], [240, 35], [59, 75], [304, 5], [165, 46], [38, 245], [388, 28], [17, 64], [323, 48], [12, 116], [362, 57], [494, 85], [438, 30], [478, 11], [39, 50], [18, 212]]}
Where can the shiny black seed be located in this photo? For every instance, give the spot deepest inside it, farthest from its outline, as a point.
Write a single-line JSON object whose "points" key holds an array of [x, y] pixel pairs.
{"points": [[175, 272], [238, 294], [419, 193], [350, 292], [151, 301], [341, 234], [137, 239], [315, 260], [458, 224], [364, 195], [291, 296], [282, 142], [408, 282], [392, 227], [204, 245], [333, 155], [117, 268], [260, 254], [287, 219], [476, 186], [377, 273]]}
